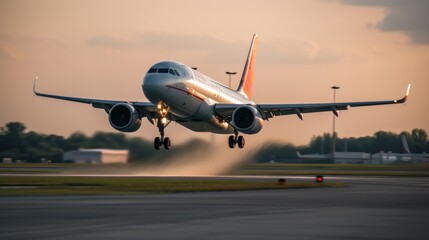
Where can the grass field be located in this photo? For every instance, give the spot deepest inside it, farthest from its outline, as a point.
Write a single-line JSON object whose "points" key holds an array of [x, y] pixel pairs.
{"points": [[417, 170], [58, 185], [29, 183], [247, 169]]}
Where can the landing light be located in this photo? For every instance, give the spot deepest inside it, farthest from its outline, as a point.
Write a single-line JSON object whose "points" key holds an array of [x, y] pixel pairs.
{"points": [[159, 106], [164, 120]]}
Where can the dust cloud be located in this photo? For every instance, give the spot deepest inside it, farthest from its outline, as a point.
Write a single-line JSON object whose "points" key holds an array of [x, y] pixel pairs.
{"points": [[210, 160], [203, 158]]}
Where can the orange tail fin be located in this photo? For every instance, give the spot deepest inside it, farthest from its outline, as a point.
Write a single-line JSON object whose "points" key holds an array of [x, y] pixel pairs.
{"points": [[246, 82]]}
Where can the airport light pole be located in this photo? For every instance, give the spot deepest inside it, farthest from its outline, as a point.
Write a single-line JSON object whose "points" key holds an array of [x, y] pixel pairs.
{"points": [[335, 88], [230, 73]]}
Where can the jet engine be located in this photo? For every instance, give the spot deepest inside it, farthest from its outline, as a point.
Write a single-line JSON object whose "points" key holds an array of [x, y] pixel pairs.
{"points": [[124, 117], [247, 119]]}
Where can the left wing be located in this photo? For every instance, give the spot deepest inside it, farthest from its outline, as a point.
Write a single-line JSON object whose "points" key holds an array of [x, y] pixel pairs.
{"points": [[270, 110], [145, 109]]}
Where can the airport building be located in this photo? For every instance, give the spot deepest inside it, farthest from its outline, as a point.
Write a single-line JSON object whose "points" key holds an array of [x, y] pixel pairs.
{"points": [[96, 156], [340, 158], [352, 157], [392, 158]]}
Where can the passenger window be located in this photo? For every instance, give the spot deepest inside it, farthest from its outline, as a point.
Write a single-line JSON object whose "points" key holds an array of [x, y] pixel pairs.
{"points": [[172, 72], [163, 70], [152, 70], [177, 73]]}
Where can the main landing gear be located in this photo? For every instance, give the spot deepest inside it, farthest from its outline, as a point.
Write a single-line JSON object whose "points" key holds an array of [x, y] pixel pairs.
{"points": [[162, 141], [235, 139]]}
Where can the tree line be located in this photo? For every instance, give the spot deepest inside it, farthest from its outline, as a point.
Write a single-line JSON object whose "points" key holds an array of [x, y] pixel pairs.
{"points": [[417, 140], [19, 144]]}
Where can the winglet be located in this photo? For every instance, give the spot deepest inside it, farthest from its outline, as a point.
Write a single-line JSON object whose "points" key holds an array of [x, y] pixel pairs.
{"points": [[404, 99], [34, 86], [246, 82]]}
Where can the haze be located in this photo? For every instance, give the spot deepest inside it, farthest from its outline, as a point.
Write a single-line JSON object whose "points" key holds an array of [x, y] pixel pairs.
{"points": [[102, 49]]}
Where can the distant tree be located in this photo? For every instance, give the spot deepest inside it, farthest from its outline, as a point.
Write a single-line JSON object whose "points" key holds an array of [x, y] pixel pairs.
{"points": [[13, 136], [34, 139], [321, 144], [2, 139], [15, 128], [75, 141], [387, 141], [108, 140], [419, 135], [418, 140], [362, 144], [139, 149], [17, 144]]}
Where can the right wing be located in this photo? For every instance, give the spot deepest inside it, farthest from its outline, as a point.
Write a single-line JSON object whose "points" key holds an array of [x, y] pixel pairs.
{"points": [[271, 110], [146, 109]]}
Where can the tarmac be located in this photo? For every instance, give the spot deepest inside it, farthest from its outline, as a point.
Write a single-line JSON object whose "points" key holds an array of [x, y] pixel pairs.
{"points": [[369, 208]]}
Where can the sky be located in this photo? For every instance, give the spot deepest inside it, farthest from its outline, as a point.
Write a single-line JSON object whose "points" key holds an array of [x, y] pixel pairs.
{"points": [[103, 48]]}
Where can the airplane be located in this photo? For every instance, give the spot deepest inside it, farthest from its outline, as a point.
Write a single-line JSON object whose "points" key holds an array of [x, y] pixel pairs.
{"points": [[407, 155], [184, 95]]}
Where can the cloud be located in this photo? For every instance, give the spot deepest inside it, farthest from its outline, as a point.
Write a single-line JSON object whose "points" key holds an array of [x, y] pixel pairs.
{"points": [[19, 37], [288, 51], [106, 41], [8, 51], [183, 41], [410, 17], [296, 51], [16, 45], [211, 48]]}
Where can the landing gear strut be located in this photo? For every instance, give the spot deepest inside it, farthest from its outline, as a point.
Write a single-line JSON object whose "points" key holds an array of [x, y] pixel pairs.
{"points": [[235, 139], [162, 141], [162, 124]]}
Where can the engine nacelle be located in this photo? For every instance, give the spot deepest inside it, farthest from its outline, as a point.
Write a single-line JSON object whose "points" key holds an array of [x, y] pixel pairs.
{"points": [[247, 119], [124, 117]]}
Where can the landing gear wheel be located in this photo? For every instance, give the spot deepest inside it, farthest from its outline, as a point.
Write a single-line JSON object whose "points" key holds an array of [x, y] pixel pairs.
{"points": [[241, 141], [231, 141], [157, 143], [167, 143]]}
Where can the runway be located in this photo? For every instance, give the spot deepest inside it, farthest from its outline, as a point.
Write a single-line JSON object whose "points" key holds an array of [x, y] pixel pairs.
{"points": [[369, 208]]}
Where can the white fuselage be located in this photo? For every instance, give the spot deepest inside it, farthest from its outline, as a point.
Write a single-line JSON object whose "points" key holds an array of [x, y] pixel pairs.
{"points": [[190, 96]]}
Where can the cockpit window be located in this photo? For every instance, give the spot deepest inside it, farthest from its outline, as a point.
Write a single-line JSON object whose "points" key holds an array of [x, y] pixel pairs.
{"points": [[162, 70], [171, 71], [152, 70]]}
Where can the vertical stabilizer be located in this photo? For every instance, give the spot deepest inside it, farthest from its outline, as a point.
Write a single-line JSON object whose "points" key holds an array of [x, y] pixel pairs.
{"points": [[405, 147], [246, 82]]}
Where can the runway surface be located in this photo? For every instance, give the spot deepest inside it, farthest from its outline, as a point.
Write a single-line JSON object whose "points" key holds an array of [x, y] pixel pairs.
{"points": [[369, 208]]}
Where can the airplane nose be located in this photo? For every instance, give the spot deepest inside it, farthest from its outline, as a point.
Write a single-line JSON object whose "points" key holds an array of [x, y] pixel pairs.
{"points": [[153, 87]]}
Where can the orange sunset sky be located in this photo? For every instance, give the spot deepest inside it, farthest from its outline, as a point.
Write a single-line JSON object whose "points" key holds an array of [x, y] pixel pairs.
{"points": [[102, 49]]}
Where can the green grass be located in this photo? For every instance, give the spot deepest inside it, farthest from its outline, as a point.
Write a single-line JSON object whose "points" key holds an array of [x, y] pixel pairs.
{"points": [[418, 170], [133, 185], [354, 167]]}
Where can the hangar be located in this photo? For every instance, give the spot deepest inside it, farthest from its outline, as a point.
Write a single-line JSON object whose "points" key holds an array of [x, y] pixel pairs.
{"points": [[96, 156]]}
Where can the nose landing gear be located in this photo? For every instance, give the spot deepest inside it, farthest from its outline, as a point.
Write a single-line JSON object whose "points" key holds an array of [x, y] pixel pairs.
{"points": [[162, 124], [158, 142], [162, 141]]}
